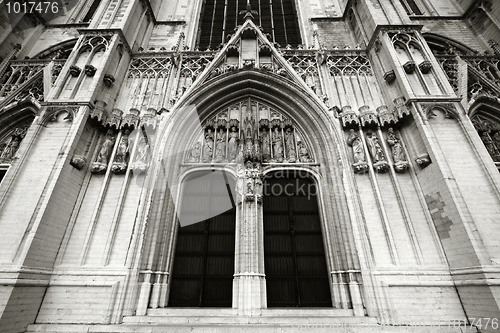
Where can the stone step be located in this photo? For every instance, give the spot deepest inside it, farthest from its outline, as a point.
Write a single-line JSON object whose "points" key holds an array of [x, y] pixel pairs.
{"points": [[232, 328]]}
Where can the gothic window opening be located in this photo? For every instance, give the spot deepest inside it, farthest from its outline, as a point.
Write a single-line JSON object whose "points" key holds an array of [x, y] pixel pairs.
{"points": [[220, 18], [294, 255], [411, 7], [203, 268]]}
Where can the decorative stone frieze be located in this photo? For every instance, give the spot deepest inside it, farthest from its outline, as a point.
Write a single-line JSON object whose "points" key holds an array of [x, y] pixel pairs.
{"points": [[131, 119], [114, 119]]}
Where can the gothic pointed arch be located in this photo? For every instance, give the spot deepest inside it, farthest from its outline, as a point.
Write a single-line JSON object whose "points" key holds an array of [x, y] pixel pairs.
{"points": [[253, 102]]}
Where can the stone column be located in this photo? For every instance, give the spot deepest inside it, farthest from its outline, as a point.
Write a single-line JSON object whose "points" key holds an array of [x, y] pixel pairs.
{"points": [[249, 284]]}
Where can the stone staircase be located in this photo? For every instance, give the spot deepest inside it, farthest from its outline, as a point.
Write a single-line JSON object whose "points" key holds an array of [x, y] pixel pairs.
{"points": [[229, 321]]}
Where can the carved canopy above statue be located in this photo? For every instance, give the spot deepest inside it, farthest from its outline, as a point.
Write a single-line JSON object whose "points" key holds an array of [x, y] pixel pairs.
{"points": [[249, 130]]}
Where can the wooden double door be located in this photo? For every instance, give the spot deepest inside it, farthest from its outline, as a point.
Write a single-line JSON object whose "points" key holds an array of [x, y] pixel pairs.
{"points": [[294, 257]]}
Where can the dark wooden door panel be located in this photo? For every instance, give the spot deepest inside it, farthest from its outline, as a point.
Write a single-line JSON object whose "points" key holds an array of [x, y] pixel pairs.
{"points": [[294, 257], [202, 274]]}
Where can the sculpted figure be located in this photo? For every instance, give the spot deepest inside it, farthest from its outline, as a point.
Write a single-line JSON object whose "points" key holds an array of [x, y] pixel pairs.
{"points": [[277, 145], [106, 148], [194, 154], [233, 144], [208, 148], [374, 146], [303, 153], [142, 150], [290, 145], [122, 149], [266, 146], [357, 147], [220, 150], [397, 149]]}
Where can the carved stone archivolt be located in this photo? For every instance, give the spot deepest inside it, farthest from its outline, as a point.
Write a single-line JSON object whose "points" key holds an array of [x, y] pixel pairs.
{"points": [[249, 130]]}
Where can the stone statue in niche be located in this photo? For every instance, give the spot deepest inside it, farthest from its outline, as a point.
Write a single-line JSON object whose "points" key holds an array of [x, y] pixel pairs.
{"points": [[376, 151], [303, 153], [400, 163], [142, 155], [194, 153], [11, 148], [355, 142], [120, 163], [233, 144], [290, 145], [277, 145], [258, 189], [374, 146], [266, 146], [257, 154], [220, 147], [208, 148], [101, 163]]}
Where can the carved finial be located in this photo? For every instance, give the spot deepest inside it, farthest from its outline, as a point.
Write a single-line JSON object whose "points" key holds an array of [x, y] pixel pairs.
{"points": [[249, 13]]}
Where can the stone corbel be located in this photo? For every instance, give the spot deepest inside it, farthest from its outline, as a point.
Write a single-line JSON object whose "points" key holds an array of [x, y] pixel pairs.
{"points": [[390, 76], [90, 70], [423, 160], [74, 71], [349, 117], [108, 80], [78, 161], [367, 116], [409, 67], [386, 117], [425, 66]]}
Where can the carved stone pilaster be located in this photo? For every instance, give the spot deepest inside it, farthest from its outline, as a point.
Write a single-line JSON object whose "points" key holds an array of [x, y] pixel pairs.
{"points": [[349, 117], [367, 116], [386, 116]]}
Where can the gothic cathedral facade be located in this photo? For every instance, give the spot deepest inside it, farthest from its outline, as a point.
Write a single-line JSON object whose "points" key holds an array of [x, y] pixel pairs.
{"points": [[251, 165]]}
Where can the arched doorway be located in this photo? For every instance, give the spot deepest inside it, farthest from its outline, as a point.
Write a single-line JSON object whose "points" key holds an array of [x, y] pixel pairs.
{"points": [[294, 255]]}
